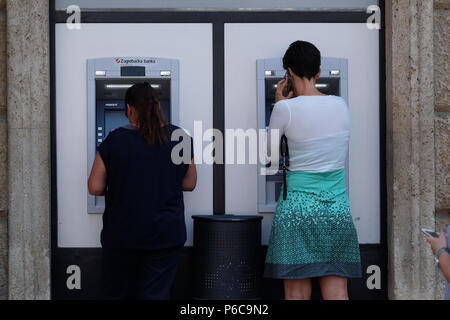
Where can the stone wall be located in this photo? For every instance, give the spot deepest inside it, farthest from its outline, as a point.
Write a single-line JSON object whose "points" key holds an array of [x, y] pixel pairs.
{"points": [[418, 133], [442, 118], [410, 147], [442, 96], [28, 94], [3, 159]]}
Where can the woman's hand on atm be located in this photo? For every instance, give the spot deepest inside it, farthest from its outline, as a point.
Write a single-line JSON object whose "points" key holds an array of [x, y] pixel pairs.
{"points": [[279, 93]]}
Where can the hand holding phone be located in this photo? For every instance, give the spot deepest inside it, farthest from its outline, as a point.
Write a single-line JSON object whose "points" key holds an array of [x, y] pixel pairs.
{"points": [[289, 87], [284, 89], [430, 233]]}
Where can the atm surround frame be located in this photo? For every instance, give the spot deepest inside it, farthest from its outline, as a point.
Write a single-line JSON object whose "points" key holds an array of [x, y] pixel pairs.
{"points": [[112, 67], [276, 65], [218, 21]]}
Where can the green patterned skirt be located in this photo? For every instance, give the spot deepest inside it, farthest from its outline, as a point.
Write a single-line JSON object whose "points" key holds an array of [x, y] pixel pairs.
{"points": [[313, 234]]}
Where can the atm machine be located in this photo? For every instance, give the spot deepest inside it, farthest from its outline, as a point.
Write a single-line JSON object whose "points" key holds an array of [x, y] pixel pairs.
{"points": [[333, 81], [108, 80]]}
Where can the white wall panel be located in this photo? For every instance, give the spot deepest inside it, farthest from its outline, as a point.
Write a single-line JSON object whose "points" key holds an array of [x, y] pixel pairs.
{"points": [[244, 44], [191, 44]]}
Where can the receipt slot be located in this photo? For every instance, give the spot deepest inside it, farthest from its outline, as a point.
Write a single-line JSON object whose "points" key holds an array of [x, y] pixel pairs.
{"points": [[333, 81], [108, 80]]}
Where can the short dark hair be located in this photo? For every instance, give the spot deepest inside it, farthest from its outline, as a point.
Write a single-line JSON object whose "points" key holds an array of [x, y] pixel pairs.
{"points": [[303, 58]]}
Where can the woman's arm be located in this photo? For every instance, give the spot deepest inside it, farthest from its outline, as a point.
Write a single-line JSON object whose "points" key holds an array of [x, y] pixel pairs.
{"points": [[190, 179], [97, 179], [444, 259], [444, 264]]}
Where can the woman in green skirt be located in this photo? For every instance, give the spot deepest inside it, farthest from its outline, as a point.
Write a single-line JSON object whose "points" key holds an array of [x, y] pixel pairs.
{"points": [[313, 234]]}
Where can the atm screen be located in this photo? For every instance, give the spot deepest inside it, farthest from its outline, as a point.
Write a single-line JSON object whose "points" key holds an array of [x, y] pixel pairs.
{"points": [[329, 86], [334, 82], [110, 96], [114, 119]]}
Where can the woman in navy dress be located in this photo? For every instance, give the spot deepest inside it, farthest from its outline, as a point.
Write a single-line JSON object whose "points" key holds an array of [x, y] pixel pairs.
{"points": [[143, 224]]}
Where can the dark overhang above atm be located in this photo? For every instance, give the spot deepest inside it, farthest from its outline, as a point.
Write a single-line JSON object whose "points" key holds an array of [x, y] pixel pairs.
{"points": [[208, 5]]}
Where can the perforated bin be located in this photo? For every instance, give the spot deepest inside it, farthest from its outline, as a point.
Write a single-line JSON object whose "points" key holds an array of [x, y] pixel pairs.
{"points": [[227, 257]]}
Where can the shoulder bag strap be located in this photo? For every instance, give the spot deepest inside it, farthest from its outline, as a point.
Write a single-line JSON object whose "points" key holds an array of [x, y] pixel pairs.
{"points": [[284, 152]]}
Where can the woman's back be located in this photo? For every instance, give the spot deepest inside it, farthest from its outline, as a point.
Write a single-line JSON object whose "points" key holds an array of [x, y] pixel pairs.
{"points": [[318, 131], [144, 198]]}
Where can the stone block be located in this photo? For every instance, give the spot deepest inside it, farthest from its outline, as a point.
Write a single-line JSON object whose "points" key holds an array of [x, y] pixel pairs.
{"points": [[29, 214], [442, 143], [28, 64], [3, 256], [442, 56]]}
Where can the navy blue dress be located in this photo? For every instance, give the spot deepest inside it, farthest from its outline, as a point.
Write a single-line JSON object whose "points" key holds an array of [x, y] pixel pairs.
{"points": [[143, 224]]}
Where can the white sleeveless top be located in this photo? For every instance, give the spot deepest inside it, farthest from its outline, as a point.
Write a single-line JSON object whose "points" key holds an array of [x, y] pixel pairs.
{"points": [[318, 132]]}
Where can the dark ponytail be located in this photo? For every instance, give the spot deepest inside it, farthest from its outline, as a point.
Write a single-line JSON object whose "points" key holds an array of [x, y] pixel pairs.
{"points": [[151, 121]]}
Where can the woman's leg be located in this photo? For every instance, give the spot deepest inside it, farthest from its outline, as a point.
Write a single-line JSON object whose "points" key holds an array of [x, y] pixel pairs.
{"points": [[334, 288], [156, 274], [118, 279], [298, 289]]}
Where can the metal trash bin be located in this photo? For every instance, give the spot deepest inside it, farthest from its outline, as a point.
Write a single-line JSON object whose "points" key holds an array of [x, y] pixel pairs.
{"points": [[227, 257]]}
